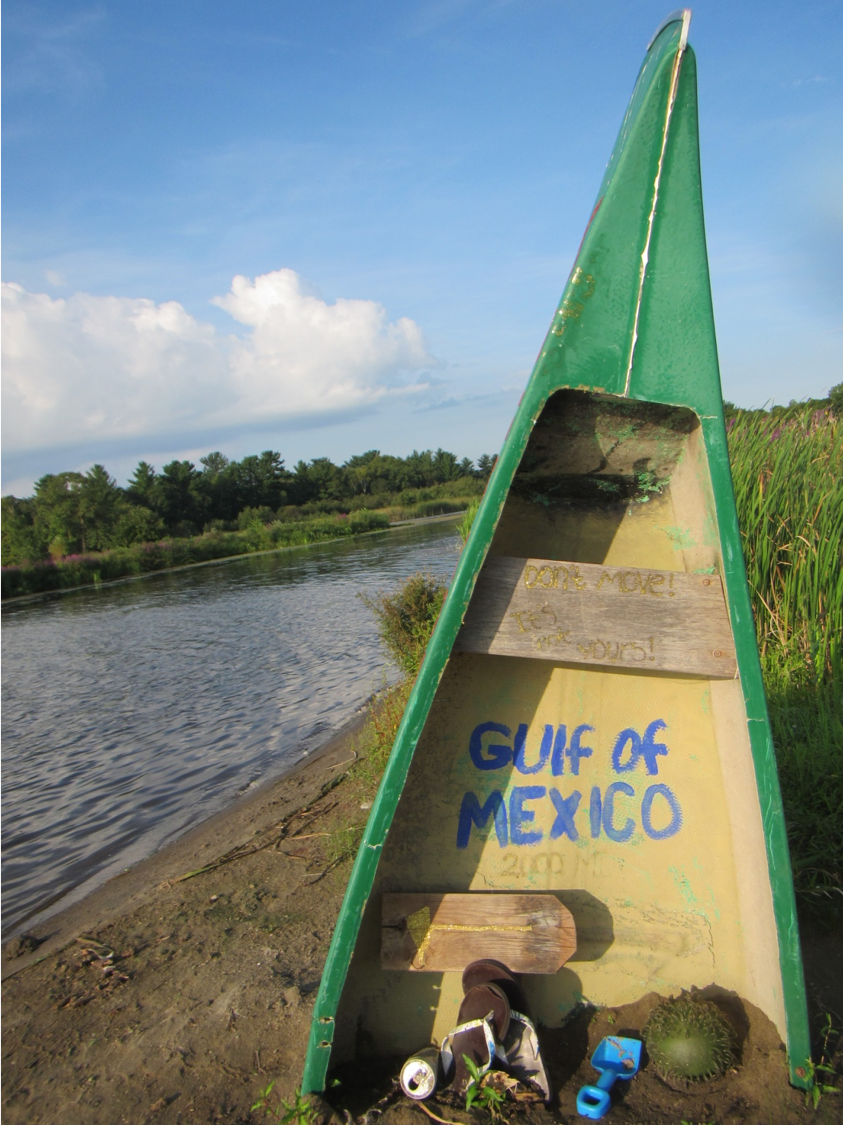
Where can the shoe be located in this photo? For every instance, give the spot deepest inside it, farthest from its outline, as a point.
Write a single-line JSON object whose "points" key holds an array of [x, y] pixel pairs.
{"points": [[484, 1020], [520, 1044]]}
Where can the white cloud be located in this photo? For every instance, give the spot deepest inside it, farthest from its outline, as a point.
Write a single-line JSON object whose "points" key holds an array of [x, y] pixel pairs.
{"points": [[86, 369]]}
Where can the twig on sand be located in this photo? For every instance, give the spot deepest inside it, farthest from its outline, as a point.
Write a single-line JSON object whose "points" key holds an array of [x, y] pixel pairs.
{"points": [[430, 1113], [241, 852], [344, 762]]}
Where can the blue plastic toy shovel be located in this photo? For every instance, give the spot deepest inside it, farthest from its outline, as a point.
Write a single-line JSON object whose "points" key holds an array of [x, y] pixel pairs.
{"points": [[614, 1058]]}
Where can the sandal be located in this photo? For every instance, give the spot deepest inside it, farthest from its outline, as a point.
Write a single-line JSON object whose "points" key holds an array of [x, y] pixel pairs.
{"points": [[520, 1046], [484, 1020]]}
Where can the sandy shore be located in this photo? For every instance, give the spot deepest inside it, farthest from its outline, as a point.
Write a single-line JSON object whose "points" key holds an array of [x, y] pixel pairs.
{"points": [[180, 989], [230, 828], [170, 995]]}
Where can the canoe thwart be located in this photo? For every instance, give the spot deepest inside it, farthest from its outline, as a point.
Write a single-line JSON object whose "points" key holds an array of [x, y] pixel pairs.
{"points": [[585, 613], [530, 933]]}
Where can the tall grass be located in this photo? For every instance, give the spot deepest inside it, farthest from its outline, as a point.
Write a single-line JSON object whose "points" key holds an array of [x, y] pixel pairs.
{"points": [[787, 468], [788, 474]]}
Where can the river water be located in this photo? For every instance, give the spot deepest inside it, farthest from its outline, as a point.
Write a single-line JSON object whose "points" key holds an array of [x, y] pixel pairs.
{"points": [[136, 710]]}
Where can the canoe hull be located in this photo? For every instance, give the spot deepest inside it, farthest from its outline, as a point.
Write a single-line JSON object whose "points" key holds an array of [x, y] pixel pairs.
{"points": [[642, 793], [626, 792]]}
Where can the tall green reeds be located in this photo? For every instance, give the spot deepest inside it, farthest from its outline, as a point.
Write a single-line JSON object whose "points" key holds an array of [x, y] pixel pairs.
{"points": [[788, 473], [787, 466]]}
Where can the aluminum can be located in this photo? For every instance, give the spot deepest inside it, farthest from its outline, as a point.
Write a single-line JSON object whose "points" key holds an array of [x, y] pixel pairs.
{"points": [[420, 1074]]}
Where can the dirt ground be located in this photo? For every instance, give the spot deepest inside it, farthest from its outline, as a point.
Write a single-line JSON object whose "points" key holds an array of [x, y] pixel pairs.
{"points": [[165, 999]]}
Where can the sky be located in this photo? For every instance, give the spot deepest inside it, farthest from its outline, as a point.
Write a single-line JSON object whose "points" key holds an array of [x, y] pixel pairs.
{"points": [[327, 226]]}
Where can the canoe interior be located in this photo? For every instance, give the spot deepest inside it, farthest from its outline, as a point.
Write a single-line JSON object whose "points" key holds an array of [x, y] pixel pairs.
{"points": [[626, 791]]}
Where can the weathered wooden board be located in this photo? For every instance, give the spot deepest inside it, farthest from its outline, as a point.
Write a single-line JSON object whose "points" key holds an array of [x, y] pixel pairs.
{"points": [[444, 933], [583, 613]]}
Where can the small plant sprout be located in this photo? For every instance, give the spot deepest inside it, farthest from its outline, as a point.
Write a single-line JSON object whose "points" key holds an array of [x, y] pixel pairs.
{"points": [[480, 1093], [299, 1111], [818, 1072]]}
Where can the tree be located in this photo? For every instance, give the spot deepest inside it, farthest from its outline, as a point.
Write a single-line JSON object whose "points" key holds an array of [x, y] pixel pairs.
{"points": [[214, 463], [485, 464], [136, 524], [20, 544], [178, 498], [141, 484], [58, 522], [319, 480], [261, 482], [218, 484], [99, 498], [445, 466]]}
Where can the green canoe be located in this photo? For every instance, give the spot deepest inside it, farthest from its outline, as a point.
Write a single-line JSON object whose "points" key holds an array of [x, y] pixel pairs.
{"points": [[589, 721]]}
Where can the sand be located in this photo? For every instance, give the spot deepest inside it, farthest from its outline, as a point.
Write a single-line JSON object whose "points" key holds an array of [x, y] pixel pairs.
{"points": [[163, 998]]}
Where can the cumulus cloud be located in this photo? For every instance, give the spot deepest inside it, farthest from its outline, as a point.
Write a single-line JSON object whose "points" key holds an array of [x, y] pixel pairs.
{"points": [[89, 368]]}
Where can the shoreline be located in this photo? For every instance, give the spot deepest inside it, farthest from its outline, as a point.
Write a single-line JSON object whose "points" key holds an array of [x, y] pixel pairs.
{"points": [[179, 991], [41, 594], [228, 828]]}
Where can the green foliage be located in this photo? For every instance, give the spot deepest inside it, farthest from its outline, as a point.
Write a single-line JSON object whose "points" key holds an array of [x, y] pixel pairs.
{"points": [[467, 522], [787, 468], [20, 542], [820, 1072], [75, 513], [480, 1093], [70, 570], [299, 1111], [406, 618], [807, 726], [343, 843], [378, 736]]}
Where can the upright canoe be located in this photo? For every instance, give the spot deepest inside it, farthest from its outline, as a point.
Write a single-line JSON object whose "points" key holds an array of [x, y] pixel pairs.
{"points": [[589, 721]]}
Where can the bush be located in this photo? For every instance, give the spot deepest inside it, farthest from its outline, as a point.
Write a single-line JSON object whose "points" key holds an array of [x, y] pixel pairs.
{"points": [[406, 618]]}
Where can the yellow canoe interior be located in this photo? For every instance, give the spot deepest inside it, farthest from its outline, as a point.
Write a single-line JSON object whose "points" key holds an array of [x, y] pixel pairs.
{"points": [[588, 739]]}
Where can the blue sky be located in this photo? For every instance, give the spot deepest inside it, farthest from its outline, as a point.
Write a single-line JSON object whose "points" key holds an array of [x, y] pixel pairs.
{"points": [[325, 227]]}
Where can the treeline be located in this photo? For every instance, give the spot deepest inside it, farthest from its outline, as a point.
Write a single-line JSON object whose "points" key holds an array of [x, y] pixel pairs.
{"points": [[74, 513]]}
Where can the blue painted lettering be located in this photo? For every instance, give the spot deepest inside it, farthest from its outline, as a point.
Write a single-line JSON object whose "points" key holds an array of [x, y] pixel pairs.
{"points": [[651, 749], [472, 812], [646, 748], [520, 748], [619, 835], [519, 816], [634, 739], [566, 808], [497, 755], [576, 751], [557, 762], [647, 808], [595, 812]]}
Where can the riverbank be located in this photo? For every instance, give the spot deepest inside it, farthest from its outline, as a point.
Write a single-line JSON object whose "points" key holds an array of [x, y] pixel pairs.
{"points": [[99, 582], [177, 990], [180, 990]]}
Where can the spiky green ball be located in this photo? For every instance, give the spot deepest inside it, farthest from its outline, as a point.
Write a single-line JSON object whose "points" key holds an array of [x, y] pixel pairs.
{"points": [[688, 1041]]}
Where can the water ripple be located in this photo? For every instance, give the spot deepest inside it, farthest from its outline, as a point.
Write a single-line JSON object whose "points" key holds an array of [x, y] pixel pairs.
{"points": [[134, 711]]}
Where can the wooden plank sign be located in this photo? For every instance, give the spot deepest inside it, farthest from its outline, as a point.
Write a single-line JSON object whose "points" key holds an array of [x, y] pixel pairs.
{"points": [[443, 933], [581, 613]]}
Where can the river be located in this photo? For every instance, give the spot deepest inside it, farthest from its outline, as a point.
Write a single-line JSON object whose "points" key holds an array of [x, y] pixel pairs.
{"points": [[133, 711]]}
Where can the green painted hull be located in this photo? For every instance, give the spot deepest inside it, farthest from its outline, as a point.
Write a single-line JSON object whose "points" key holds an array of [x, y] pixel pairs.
{"points": [[630, 358]]}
